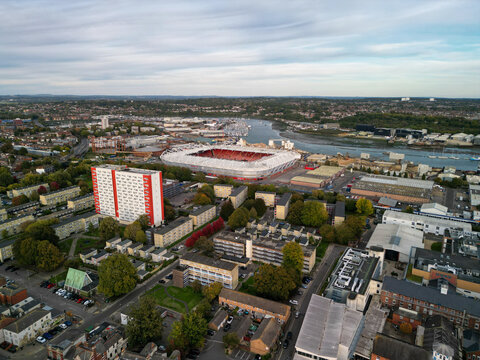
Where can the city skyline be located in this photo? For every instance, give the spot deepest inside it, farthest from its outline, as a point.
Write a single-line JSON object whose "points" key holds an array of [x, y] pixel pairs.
{"points": [[306, 48]]}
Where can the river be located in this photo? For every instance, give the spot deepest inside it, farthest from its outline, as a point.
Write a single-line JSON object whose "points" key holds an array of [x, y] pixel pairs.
{"points": [[262, 130]]}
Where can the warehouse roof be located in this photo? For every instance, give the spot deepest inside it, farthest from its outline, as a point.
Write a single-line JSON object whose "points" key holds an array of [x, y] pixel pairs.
{"points": [[423, 184], [396, 237]]}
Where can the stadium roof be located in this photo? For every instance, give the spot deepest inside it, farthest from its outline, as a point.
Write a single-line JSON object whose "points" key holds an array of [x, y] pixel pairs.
{"points": [[278, 161]]}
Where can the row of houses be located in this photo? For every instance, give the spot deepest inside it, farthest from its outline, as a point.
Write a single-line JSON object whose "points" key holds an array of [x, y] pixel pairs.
{"points": [[128, 247]]}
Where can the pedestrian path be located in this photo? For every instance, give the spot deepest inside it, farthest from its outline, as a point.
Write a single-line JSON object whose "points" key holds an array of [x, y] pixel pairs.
{"points": [[176, 299]]}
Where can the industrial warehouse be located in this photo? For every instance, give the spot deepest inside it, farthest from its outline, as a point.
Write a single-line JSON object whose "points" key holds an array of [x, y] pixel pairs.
{"points": [[237, 162]]}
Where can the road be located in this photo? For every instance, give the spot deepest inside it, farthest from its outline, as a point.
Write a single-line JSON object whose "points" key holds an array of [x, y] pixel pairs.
{"points": [[321, 274], [91, 317], [79, 150]]}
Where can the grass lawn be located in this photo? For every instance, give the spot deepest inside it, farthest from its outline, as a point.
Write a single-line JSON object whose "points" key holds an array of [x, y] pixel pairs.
{"points": [[158, 293], [186, 294], [248, 287], [57, 278], [414, 278], [321, 248], [65, 245], [86, 243], [94, 232]]}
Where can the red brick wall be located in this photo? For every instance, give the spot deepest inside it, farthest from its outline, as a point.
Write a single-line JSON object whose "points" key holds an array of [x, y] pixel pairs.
{"points": [[14, 299]]}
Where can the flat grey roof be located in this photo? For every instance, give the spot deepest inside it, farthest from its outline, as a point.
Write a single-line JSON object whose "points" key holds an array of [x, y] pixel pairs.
{"points": [[205, 260], [284, 199], [75, 218], [172, 225], [201, 210], [237, 191]]}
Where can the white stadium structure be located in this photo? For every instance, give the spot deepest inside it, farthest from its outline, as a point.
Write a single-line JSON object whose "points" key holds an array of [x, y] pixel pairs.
{"points": [[238, 162]]}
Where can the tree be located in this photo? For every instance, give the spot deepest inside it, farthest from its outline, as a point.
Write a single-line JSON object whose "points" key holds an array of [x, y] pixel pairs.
{"points": [[226, 210], [201, 199], [273, 282], [344, 234], [144, 323], [189, 333], [48, 256], [42, 230], [108, 228], [131, 230], [169, 210], [260, 207], [253, 213], [196, 286], [364, 207], [25, 251], [141, 237], [314, 214], [54, 186], [34, 196], [231, 340], [239, 218], [6, 177], [408, 210], [293, 257], [318, 194], [144, 221], [212, 290], [295, 213], [327, 232], [208, 191], [117, 275], [350, 205], [204, 244], [356, 224], [19, 200], [7, 147], [200, 177], [41, 190]]}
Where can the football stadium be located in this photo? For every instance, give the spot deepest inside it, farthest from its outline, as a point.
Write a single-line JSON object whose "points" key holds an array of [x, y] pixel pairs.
{"points": [[238, 162]]}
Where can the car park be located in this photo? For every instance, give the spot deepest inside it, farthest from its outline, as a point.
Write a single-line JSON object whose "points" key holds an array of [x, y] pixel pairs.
{"points": [[41, 340], [227, 327], [63, 326]]}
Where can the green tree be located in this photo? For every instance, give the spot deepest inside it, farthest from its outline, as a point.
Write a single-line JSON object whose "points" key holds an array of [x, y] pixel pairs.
{"points": [[25, 251], [200, 177], [117, 275], [204, 244], [6, 177], [201, 199], [212, 290], [273, 282], [260, 207], [295, 213], [231, 340], [226, 210], [239, 218], [196, 286], [350, 205], [314, 214], [34, 196], [42, 230], [408, 209], [208, 191], [144, 323], [169, 210], [189, 333], [48, 256], [364, 207], [131, 230], [253, 213], [141, 237], [318, 194], [7, 147], [327, 232], [144, 221], [356, 224], [344, 234], [108, 228], [293, 257]]}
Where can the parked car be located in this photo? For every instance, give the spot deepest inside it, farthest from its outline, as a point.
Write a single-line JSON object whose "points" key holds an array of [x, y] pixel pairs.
{"points": [[210, 332], [63, 326], [41, 340], [230, 319], [161, 281], [48, 336], [297, 314], [227, 327], [293, 302], [289, 335], [169, 277], [285, 343], [68, 323]]}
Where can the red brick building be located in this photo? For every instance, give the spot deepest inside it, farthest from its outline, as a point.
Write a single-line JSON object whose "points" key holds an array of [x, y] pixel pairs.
{"points": [[402, 315], [11, 295]]}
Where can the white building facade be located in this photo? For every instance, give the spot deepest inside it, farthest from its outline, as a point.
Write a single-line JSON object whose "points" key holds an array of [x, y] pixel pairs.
{"points": [[126, 193]]}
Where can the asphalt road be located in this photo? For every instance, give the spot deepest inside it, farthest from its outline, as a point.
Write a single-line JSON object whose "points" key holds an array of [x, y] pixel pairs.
{"points": [[321, 274], [91, 317]]}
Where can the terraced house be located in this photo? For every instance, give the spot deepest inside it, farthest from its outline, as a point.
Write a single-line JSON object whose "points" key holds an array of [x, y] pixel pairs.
{"points": [[60, 196], [76, 224]]}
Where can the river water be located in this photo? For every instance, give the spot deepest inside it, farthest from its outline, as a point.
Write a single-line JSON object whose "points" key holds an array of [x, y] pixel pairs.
{"points": [[262, 130]]}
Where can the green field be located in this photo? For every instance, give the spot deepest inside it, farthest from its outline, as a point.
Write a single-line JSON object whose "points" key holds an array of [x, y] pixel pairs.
{"points": [[65, 245], [87, 243], [185, 294], [414, 278], [248, 286]]}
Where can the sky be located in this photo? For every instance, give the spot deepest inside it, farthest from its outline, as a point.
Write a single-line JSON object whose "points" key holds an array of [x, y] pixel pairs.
{"points": [[241, 48]]}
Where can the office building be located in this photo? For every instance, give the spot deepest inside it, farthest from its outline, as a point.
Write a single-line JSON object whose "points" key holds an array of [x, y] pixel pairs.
{"points": [[175, 230], [203, 214], [427, 224], [353, 279], [206, 270], [330, 330], [126, 193]]}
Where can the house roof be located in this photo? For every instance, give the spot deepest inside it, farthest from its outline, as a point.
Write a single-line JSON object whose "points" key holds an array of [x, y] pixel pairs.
{"points": [[255, 301], [394, 349], [76, 278], [26, 320], [267, 332]]}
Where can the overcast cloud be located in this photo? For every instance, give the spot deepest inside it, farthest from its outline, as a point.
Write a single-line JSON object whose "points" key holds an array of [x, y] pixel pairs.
{"points": [[241, 48]]}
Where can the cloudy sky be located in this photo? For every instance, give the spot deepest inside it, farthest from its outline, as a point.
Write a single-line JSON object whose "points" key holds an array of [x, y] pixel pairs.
{"points": [[241, 48]]}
